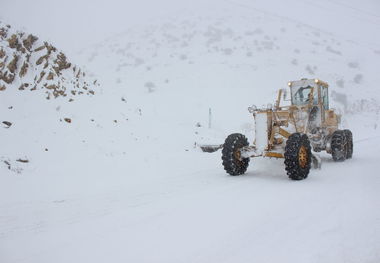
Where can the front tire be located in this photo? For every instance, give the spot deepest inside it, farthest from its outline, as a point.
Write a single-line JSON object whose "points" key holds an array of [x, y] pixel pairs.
{"points": [[297, 156], [231, 154]]}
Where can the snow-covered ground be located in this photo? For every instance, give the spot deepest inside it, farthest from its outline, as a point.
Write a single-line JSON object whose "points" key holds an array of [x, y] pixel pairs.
{"points": [[125, 182]]}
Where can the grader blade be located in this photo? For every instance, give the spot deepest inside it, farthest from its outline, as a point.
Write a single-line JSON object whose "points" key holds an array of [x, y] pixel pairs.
{"points": [[210, 148]]}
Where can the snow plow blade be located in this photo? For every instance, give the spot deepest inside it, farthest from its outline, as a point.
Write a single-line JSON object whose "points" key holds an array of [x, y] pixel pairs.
{"points": [[209, 148]]}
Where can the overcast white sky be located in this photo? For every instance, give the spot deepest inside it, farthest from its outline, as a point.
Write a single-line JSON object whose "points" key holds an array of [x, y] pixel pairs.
{"points": [[82, 21], [73, 24]]}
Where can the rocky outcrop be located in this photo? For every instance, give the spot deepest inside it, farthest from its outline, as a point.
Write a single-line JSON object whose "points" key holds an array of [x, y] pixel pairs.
{"points": [[34, 65]]}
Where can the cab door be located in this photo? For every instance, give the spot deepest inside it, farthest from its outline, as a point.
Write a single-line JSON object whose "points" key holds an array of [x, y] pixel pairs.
{"points": [[317, 113]]}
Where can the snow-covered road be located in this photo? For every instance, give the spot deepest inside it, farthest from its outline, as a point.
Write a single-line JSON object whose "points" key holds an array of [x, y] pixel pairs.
{"points": [[197, 213]]}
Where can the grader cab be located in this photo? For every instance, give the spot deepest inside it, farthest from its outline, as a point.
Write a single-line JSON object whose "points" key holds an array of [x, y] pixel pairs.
{"points": [[299, 122]]}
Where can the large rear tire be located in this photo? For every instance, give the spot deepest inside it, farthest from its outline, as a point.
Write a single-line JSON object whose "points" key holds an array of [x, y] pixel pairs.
{"points": [[339, 147], [231, 154], [297, 156]]}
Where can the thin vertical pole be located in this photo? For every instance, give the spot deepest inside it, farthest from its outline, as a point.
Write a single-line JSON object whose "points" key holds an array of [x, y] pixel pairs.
{"points": [[209, 118]]}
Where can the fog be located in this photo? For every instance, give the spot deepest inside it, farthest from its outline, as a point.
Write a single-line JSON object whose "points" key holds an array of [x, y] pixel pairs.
{"points": [[72, 25]]}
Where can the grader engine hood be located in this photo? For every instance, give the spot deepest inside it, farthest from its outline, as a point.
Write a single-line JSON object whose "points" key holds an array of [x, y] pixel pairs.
{"points": [[261, 131]]}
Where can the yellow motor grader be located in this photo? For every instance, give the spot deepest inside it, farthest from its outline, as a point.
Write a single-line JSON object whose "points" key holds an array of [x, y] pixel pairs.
{"points": [[291, 131]]}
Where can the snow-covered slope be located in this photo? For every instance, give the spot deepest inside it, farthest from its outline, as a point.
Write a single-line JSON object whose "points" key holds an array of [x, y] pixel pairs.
{"points": [[189, 64], [28, 64], [122, 181]]}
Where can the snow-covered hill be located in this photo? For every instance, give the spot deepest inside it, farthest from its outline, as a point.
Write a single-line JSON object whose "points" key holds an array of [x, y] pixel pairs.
{"points": [[193, 63], [26, 63], [117, 177]]}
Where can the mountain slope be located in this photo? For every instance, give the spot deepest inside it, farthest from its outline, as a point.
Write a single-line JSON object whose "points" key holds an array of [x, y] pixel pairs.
{"points": [[30, 64]]}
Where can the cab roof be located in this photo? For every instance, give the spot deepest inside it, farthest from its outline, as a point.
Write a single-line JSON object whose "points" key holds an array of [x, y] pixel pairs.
{"points": [[307, 82]]}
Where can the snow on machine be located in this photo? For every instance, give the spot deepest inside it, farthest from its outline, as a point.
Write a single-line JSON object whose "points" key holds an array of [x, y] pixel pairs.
{"points": [[292, 132]]}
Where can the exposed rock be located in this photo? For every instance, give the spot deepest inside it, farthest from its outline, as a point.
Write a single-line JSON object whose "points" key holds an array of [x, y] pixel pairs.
{"points": [[13, 41], [12, 66], [8, 164], [41, 59], [52, 87], [24, 69], [68, 120], [3, 32], [22, 50], [61, 62], [42, 74], [22, 160], [39, 48], [23, 86], [50, 48], [57, 90], [29, 41], [50, 76], [55, 75], [7, 124], [7, 78], [78, 74]]}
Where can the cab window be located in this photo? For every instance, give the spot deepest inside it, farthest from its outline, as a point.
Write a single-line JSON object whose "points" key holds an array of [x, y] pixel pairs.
{"points": [[325, 97], [301, 96]]}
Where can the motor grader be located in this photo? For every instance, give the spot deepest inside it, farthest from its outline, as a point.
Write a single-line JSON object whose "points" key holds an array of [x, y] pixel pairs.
{"points": [[294, 131]]}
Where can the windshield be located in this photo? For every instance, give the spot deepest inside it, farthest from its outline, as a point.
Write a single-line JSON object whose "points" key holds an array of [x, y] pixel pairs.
{"points": [[301, 95], [325, 98]]}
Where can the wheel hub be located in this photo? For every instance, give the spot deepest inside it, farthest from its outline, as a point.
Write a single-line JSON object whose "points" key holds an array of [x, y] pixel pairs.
{"points": [[302, 157], [237, 155]]}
